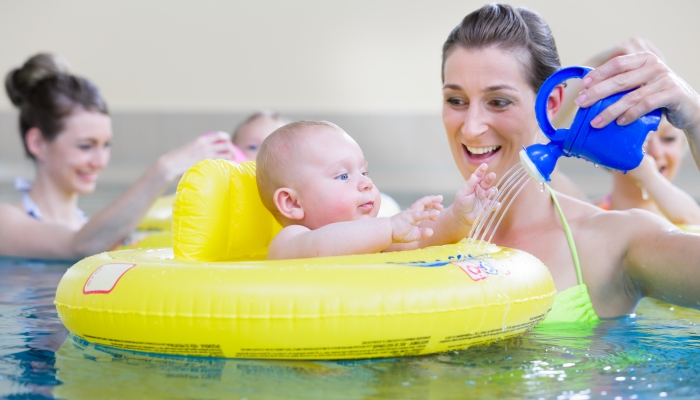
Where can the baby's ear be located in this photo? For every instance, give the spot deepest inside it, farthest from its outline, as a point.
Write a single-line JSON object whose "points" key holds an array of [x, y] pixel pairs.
{"points": [[286, 202]]}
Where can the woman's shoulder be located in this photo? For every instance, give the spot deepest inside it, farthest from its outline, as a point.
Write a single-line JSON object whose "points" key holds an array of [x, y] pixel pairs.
{"points": [[590, 216]]}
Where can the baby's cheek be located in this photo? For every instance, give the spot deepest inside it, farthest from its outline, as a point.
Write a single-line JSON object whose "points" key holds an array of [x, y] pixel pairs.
{"points": [[339, 210]]}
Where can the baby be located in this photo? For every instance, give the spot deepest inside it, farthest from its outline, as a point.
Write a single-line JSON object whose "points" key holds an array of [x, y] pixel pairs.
{"points": [[312, 176]]}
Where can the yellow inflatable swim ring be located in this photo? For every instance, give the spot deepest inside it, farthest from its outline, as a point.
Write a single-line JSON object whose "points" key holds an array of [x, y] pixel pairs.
{"points": [[213, 294]]}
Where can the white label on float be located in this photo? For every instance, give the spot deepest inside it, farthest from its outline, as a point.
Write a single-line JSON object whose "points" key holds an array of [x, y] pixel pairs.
{"points": [[105, 278]]}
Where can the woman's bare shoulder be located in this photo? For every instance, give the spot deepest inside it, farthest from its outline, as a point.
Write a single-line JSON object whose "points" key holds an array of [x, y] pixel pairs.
{"points": [[11, 210]]}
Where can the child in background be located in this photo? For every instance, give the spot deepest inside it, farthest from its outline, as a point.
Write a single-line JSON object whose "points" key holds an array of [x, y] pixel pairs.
{"points": [[312, 176], [250, 133]]}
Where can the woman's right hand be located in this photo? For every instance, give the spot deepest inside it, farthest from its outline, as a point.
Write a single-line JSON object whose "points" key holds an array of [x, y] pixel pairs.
{"points": [[655, 86], [208, 145]]}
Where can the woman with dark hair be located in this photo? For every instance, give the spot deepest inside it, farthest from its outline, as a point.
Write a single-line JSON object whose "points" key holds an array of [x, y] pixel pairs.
{"points": [[602, 262], [66, 130]]}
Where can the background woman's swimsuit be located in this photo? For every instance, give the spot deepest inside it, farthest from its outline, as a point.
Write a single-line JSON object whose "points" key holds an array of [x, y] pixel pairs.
{"points": [[22, 185], [572, 304]]}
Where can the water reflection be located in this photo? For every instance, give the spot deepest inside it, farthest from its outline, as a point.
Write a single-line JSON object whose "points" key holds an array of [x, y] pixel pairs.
{"points": [[655, 352]]}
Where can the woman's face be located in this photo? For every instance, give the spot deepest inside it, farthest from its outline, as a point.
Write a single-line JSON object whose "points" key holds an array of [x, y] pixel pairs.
{"points": [[79, 152], [488, 109], [666, 145]]}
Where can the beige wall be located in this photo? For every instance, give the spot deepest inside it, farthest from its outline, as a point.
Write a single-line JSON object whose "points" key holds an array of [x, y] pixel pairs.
{"points": [[173, 69], [372, 56]]}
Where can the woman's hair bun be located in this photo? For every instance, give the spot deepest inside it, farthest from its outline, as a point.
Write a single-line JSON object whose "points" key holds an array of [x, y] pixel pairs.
{"points": [[20, 81]]}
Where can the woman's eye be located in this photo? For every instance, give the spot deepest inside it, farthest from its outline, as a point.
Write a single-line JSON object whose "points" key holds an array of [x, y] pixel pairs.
{"points": [[669, 139], [108, 145], [85, 147], [343, 177], [456, 101], [252, 147], [499, 103]]}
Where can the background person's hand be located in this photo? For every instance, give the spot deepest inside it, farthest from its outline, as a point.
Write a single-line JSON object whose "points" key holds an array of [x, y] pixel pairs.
{"points": [[210, 145], [645, 171], [404, 225]]}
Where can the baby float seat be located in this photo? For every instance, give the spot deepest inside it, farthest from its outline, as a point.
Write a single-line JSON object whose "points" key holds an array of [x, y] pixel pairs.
{"points": [[218, 214]]}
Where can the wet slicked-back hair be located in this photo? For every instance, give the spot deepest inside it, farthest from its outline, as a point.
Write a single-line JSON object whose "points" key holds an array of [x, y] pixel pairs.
{"points": [[519, 30], [277, 157]]}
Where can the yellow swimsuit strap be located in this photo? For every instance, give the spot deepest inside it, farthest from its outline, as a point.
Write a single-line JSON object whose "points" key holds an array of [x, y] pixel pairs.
{"points": [[569, 236]]}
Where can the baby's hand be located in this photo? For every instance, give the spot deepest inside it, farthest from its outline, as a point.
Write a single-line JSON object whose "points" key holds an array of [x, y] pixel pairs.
{"points": [[476, 195], [404, 225]]}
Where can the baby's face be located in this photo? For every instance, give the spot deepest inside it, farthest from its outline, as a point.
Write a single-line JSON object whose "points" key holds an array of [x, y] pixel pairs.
{"points": [[332, 182]]}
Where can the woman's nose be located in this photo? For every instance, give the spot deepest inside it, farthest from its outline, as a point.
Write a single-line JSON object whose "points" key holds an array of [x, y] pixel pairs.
{"points": [[100, 158], [474, 123]]}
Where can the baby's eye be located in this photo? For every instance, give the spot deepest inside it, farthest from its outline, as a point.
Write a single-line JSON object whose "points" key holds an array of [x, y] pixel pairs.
{"points": [[252, 147], [366, 173], [343, 177], [85, 147], [669, 139]]}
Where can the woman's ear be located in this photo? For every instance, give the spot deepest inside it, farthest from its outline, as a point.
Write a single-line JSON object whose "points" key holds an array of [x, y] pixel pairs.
{"points": [[36, 144], [286, 202], [554, 101]]}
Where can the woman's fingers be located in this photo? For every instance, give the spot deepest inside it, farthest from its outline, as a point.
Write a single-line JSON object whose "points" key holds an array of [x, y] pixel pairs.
{"points": [[653, 86]]}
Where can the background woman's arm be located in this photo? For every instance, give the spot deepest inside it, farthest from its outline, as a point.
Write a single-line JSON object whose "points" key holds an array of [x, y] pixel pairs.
{"points": [[23, 236]]}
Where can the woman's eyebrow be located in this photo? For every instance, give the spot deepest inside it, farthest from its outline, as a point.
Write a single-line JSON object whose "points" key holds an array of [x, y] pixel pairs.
{"points": [[486, 90], [499, 87]]}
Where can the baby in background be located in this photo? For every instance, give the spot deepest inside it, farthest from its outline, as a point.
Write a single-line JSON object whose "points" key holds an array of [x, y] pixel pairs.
{"points": [[312, 176]]}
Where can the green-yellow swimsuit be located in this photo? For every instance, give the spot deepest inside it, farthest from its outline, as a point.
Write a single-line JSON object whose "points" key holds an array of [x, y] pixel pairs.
{"points": [[572, 304]]}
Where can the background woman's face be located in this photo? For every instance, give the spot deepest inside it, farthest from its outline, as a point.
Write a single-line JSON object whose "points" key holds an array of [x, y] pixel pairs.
{"points": [[488, 109], [79, 152], [666, 145]]}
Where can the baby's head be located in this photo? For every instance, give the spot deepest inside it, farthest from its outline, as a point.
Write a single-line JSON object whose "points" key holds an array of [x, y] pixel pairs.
{"points": [[250, 133], [312, 173]]}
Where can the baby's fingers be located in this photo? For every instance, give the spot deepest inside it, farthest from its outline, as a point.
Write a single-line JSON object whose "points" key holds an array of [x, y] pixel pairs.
{"points": [[427, 202]]}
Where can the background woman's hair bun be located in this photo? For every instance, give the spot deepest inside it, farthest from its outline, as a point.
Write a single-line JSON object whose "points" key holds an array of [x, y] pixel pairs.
{"points": [[20, 81]]}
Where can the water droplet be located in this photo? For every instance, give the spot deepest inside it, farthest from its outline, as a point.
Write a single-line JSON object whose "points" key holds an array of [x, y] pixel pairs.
{"points": [[645, 195], [542, 187], [596, 165]]}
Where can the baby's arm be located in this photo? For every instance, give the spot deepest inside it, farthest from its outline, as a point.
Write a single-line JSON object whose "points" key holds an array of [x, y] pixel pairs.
{"points": [[456, 220], [371, 235], [677, 205]]}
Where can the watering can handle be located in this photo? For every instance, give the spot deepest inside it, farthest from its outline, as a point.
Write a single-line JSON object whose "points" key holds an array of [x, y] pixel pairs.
{"points": [[543, 95]]}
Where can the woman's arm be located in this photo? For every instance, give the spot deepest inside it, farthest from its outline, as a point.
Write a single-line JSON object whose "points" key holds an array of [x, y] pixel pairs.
{"points": [[677, 205], [663, 261], [23, 236]]}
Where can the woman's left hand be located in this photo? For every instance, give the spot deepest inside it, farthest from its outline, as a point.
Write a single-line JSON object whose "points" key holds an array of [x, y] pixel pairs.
{"points": [[657, 86]]}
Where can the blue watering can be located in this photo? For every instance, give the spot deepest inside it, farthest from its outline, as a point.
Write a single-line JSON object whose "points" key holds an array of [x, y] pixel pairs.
{"points": [[615, 147]]}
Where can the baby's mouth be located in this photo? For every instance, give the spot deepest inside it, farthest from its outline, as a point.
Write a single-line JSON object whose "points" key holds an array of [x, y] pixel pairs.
{"points": [[480, 153], [368, 206]]}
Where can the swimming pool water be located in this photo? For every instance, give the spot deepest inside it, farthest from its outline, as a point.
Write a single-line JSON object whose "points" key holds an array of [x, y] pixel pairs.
{"points": [[654, 353]]}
